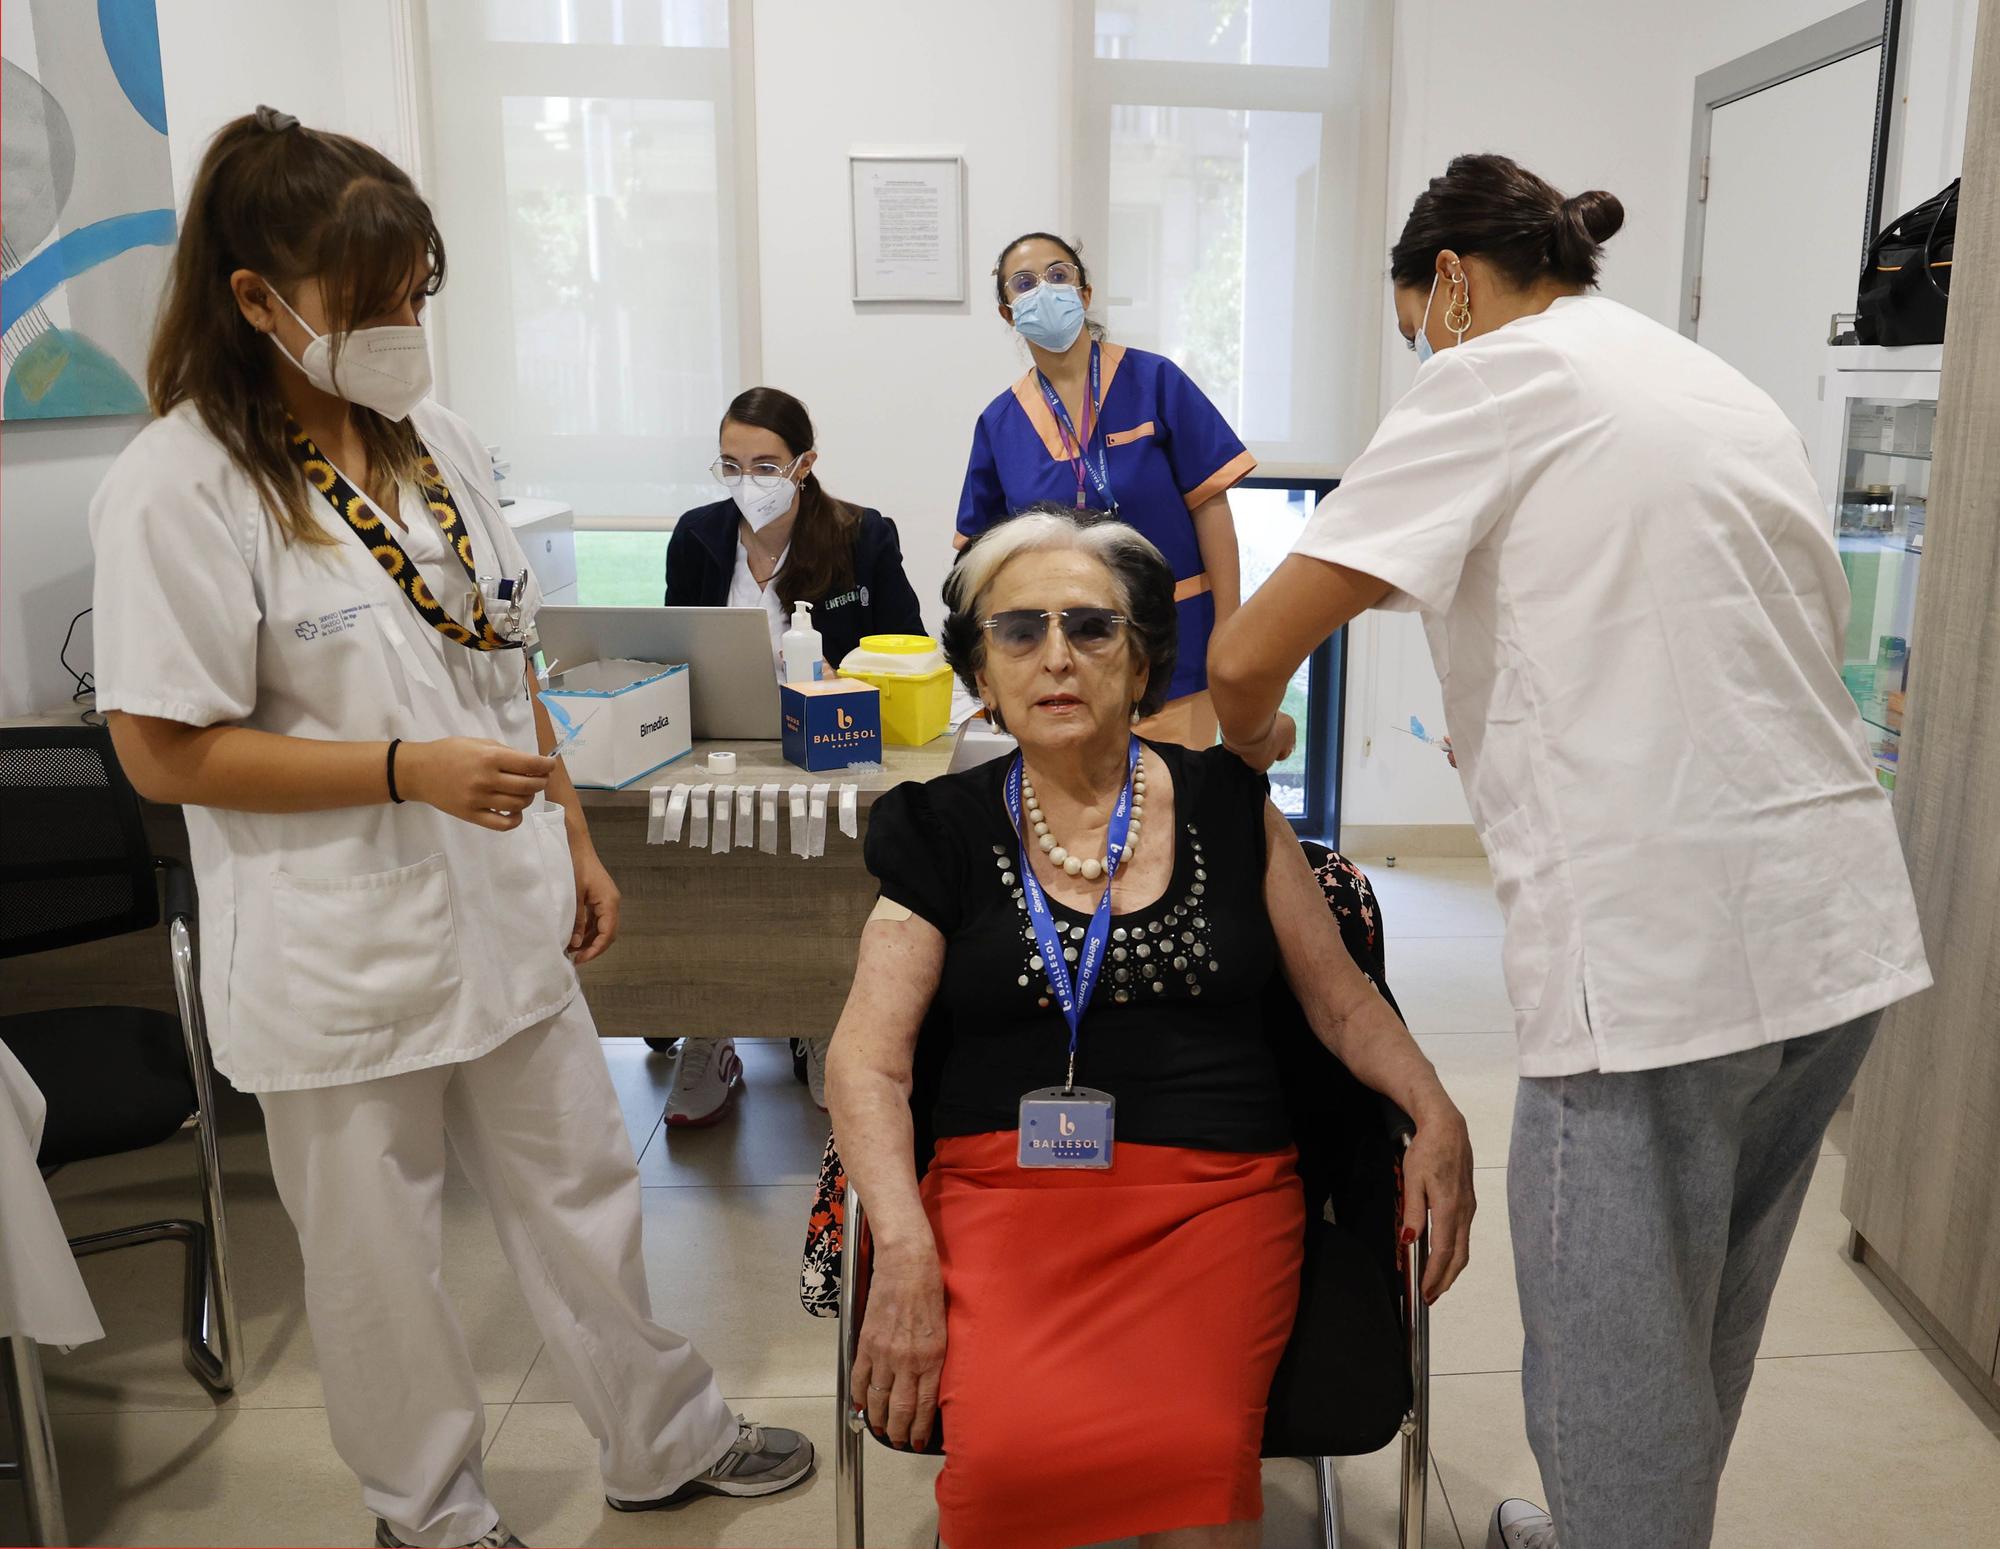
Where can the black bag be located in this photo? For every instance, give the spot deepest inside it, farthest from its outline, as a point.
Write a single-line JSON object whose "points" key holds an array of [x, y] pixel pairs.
{"points": [[1906, 284]]}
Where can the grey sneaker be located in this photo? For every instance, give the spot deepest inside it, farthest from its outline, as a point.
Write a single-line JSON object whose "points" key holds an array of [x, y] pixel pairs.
{"points": [[761, 1461], [499, 1538], [1521, 1524], [816, 1070]]}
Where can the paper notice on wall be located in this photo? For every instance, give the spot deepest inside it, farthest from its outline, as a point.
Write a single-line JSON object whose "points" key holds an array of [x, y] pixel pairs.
{"points": [[908, 225]]}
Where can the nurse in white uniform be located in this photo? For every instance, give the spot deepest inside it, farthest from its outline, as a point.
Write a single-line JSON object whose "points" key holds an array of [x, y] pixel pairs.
{"points": [[1636, 608], [311, 615]]}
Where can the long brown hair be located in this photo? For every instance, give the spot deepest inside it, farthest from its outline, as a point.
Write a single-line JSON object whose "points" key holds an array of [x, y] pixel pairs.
{"points": [[291, 204], [820, 563]]}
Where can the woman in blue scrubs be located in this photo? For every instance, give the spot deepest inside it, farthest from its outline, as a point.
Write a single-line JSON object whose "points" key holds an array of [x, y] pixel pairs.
{"points": [[1114, 429]]}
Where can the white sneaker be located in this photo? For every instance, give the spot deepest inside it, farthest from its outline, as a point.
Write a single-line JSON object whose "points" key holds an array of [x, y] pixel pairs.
{"points": [[816, 1070], [499, 1538], [763, 1460], [705, 1081], [1521, 1524]]}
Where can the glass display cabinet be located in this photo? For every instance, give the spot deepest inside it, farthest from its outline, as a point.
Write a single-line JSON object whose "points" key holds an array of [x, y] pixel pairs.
{"points": [[1875, 475]]}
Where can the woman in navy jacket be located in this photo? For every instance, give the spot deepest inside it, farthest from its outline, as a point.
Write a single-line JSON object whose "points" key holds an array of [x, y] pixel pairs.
{"points": [[781, 538]]}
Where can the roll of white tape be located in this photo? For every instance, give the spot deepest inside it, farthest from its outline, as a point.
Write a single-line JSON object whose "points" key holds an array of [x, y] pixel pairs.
{"points": [[722, 763]]}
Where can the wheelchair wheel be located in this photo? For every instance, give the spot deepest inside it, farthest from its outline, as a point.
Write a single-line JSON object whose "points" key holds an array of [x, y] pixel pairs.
{"points": [[662, 1045]]}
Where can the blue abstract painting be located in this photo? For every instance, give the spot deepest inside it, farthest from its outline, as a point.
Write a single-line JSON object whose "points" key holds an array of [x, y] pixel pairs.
{"points": [[86, 204]]}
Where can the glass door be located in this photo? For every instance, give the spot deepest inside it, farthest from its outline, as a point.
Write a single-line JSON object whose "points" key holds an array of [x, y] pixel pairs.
{"points": [[1879, 509]]}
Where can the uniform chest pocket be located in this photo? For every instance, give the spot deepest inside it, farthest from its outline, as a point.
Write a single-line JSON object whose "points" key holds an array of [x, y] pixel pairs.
{"points": [[496, 677], [367, 951], [1126, 437]]}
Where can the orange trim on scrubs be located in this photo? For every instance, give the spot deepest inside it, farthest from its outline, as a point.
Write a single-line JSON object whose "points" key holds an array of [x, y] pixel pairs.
{"points": [[1192, 586], [1029, 393], [1231, 472]]}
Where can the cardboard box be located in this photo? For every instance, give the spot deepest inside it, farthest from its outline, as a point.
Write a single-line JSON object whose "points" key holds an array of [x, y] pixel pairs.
{"points": [[628, 719], [832, 723]]}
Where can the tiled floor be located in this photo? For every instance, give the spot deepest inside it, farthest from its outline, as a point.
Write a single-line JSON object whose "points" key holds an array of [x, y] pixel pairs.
{"points": [[1856, 1434]]}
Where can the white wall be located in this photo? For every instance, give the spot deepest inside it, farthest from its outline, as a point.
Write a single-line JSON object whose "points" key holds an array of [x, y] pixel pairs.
{"points": [[220, 58], [1590, 94], [894, 390]]}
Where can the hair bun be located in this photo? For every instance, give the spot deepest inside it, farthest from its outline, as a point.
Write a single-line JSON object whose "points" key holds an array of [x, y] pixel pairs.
{"points": [[1578, 229], [1598, 214], [272, 119]]}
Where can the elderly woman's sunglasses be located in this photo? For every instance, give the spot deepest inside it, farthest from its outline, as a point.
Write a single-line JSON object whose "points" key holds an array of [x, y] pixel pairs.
{"points": [[1089, 631]]}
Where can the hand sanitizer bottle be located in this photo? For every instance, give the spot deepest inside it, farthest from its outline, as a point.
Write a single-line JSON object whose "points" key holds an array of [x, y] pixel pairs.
{"points": [[804, 662]]}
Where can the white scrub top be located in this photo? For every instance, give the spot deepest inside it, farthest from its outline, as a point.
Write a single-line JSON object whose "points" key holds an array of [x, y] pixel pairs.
{"points": [[744, 592], [336, 946], [1636, 607]]}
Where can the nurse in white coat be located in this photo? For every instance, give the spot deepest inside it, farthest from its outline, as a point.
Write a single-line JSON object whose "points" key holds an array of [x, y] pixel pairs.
{"points": [[1636, 607], [310, 622]]}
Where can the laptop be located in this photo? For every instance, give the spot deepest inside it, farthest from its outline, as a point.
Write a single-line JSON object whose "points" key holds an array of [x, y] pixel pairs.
{"points": [[732, 678]]}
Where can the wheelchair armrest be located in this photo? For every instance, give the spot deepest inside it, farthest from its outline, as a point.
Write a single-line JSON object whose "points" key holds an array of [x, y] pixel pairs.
{"points": [[178, 883], [853, 1298], [1401, 1127]]}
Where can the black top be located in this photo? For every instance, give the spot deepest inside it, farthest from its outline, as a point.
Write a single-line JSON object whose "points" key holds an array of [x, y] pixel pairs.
{"points": [[1175, 1031], [701, 559]]}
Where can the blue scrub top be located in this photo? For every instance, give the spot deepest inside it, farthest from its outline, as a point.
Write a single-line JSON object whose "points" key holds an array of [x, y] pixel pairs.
{"points": [[1167, 450]]}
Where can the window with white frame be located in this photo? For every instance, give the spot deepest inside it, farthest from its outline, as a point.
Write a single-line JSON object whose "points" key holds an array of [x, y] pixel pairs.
{"points": [[1228, 190], [595, 196]]}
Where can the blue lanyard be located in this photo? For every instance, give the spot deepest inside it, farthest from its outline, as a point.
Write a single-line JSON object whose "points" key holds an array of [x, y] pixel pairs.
{"points": [[1073, 996], [1077, 446]]}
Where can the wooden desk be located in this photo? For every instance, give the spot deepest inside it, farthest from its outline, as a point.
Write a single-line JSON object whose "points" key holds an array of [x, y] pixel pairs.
{"points": [[739, 944], [709, 945]]}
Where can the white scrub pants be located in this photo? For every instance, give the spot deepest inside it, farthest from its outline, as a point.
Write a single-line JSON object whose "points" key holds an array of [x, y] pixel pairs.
{"points": [[536, 1126]]}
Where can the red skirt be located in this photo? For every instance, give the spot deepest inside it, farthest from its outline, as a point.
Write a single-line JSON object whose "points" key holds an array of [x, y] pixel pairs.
{"points": [[1110, 1338]]}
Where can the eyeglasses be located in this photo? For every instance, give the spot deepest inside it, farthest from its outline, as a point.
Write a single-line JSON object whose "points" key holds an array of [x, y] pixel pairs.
{"points": [[1021, 281], [1090, 631], [764, 473]]}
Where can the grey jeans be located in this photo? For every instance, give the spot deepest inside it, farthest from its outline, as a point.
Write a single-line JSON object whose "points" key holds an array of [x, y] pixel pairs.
{"points": [[1651, 1215]]}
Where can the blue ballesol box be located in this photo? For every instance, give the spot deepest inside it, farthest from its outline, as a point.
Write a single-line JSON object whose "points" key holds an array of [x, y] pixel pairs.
{"points": [[832, 723]]}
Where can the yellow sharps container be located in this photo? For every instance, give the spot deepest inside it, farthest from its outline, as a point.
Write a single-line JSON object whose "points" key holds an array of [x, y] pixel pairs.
{"points": [[914, 681]]}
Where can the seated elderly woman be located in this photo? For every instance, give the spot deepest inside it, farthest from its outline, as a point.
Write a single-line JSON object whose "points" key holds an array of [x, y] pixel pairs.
{"points": [[1097, 1275]]}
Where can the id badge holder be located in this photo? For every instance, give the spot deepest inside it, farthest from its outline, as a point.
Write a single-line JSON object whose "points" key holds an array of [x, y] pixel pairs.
{"points": [[503, 598], [1066, 1127]]}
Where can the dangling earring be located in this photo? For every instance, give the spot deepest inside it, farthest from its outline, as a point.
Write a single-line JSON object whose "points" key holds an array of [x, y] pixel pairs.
{"points": [[1458, 313]]}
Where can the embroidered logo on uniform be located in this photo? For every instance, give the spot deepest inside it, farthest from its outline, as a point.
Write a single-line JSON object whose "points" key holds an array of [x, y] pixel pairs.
{"points": [[307, 630]]}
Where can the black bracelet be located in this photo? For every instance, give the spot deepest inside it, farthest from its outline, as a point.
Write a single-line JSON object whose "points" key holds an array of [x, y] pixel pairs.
{"points": [[394, 795]]}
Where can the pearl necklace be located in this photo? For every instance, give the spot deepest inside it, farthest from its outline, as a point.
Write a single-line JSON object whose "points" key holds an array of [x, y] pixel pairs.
{"points": [[1076, 865]]}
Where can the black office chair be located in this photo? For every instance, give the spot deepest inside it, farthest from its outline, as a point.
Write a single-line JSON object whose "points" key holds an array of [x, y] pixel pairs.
{"points": [[75, 867], [1356, 1373]]}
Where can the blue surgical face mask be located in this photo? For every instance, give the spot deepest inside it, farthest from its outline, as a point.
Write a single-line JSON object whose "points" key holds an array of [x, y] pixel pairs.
{"points": [[1049, 315], [1423, 339]]}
